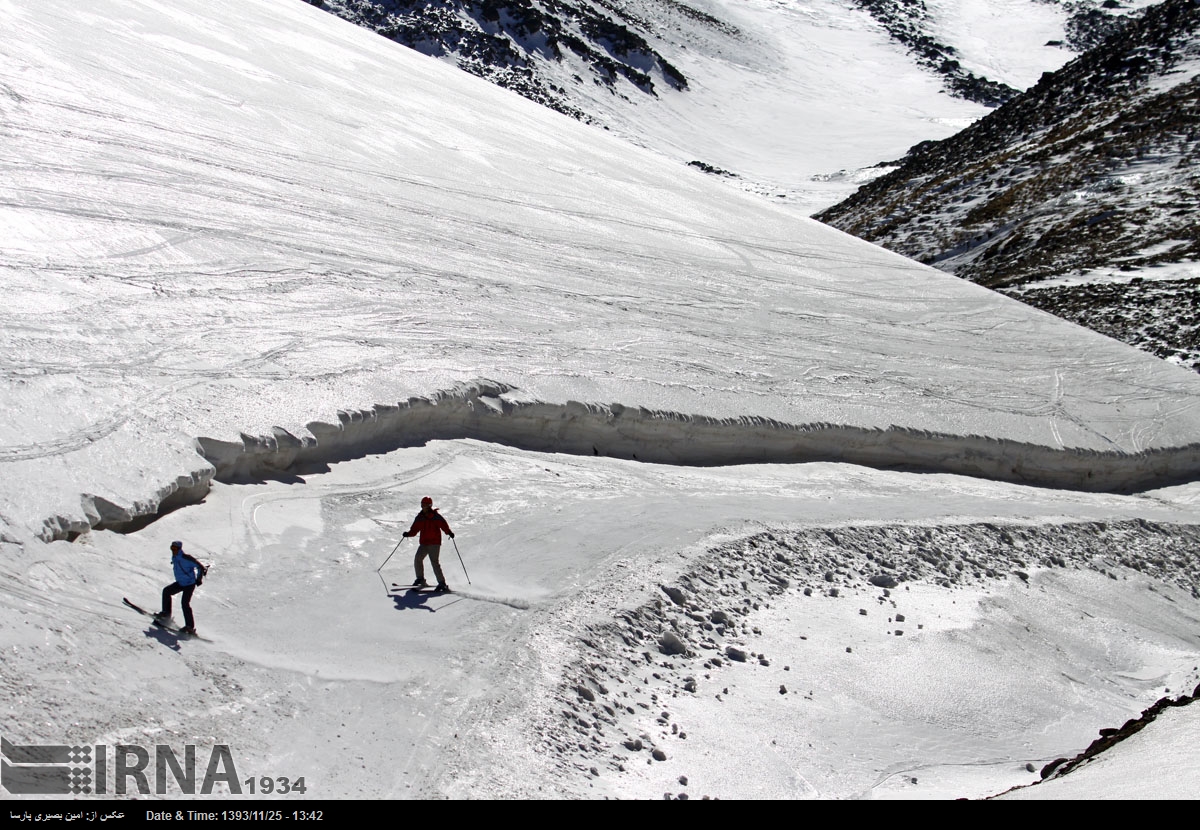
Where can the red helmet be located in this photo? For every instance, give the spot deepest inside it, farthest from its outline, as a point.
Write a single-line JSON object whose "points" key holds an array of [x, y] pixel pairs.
{"points": [[426, 501]]}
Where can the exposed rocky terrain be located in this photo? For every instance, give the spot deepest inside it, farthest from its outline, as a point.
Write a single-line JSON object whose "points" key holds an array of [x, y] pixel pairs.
{"points": [[511, 42], [1111, 736], [908, 23], [1158, 316], [1094, 168], [546, 49], [701, 634]]}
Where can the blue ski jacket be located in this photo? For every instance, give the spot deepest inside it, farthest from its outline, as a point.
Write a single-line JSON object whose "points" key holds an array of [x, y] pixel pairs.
{"points": [[187, 570]]}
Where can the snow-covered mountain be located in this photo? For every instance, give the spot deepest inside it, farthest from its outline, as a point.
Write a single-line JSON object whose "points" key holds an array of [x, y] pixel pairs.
{"points": [[539, 47], [1080, 196], [734, 89], [797, 100], [744, 507]]}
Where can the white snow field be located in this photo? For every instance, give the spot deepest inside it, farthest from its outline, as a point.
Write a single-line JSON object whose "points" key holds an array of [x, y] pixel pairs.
{"points": [[799, 101], [352, 276]]}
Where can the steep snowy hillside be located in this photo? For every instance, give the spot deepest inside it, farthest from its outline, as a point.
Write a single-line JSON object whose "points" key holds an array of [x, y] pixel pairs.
{"points": [[798, 100], [743, 507], [1091, 172], [347, 234]]}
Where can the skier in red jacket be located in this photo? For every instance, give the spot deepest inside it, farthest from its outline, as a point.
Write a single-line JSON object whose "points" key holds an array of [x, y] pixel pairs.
{"points": [[429, 524]]}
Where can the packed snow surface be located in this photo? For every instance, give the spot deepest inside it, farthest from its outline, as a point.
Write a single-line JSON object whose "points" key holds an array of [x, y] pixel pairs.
{"points": [[621, 627], [250, 230]]}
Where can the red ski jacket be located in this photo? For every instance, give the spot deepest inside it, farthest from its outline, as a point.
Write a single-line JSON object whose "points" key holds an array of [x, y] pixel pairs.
{"points": [[430, 525]]}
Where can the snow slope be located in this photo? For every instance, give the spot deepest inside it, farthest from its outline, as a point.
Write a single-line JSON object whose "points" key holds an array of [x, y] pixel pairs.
{"points": [[530, 684], [283, 241], [810, 100], [799, 103], [202, 246], [803, 101]]}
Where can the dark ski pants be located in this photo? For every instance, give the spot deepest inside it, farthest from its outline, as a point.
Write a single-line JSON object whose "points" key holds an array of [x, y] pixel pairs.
{"points": [[434, 552], [186, 601]]}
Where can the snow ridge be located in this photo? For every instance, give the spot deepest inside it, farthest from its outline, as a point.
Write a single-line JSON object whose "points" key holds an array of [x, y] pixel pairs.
{"points": [[497, 412], [493, 411]]}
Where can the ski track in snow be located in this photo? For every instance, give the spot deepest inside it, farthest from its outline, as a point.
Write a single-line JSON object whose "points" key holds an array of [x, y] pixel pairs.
{"points": [[401, 591]]}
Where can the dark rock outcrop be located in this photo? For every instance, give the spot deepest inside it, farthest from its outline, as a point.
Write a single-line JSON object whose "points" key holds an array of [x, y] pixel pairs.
{"points": [[1093, 168]]}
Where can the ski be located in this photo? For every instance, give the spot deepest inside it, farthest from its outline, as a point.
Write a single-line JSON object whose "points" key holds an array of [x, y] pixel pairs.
{"points": [[169, 627], [166, 626], [137, 608], [160, 623], [179, 632]]}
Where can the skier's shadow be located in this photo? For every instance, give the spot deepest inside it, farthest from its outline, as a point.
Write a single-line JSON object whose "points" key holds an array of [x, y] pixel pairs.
{"points": [[164, 637], [413, 600]]}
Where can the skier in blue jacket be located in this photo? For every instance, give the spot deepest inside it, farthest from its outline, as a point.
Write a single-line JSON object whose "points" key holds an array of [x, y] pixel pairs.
{"points": [[189, 573]]}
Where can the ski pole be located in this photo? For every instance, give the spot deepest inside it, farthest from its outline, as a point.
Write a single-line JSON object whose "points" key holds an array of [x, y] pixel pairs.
{"points": [[461, 562], [393, 553]]}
